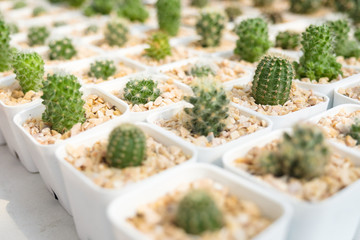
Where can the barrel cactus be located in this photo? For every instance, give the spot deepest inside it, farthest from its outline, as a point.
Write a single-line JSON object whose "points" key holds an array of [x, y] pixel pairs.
{"points": [[159, 46], [133, 10], [305, 6], [102, 69], [116, 33], [6, 54], [288, 40], [62, 49], [355, 131], [38, 35], [141, 91], [210, 27], [199, 3], [169, 15], [126, 146]]}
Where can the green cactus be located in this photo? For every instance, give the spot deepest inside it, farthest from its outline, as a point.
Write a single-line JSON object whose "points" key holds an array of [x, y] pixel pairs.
{"points": [[303, 155], [199, 3], [13, 28], [252, 32], [198, 213], [274, 16], [102, 69], [169, 16], [344, 5], [56, 1], [76, 3], [62, 49], [59, 24], [91, 29], [202, 70], [29, 70], [103, 6], [272, 81], [159, 46], [232, 12], [63, 102], [210, 107], [357, 34], [134, 10], [318, 58], [141, 91], [37, 11], [355, 131], [19, 4], [305, 6], [126, 147], [288, 40], [6, 54], [210, 27], [263, 3], [116, 33], [38, 35]]}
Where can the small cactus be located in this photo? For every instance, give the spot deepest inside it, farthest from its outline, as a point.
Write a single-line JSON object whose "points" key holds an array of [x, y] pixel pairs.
{"points": [[116, 33], [126, 147], [202, 70], [19, 4], [38, 35], [63, 102], [102, 6], [6, 54], [232, 12], [198, 213], [263, 3], [29, 70], [357, 34], [102, 69], [141, 91], [159, 46], [355, 131], [305, 6], [272, 81], [59, 24], [62, 49], [274, 16], [76, 3], [199, 3], [91, 29], [169, 15], [344, 5], [288, 40], [210, 107], [37, 11], [210, 27], [133, 10], [252, 32]]}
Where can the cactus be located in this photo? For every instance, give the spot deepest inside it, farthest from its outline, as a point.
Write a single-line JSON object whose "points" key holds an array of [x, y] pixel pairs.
{"points": [[199, 3], [355, 131], [357, 34], [202, 70], [102, 69], [318, 60], [91, 29], [59, 23], [29, 70], [62, 49], [38, 35], [263, 3], [126, 147], [198, 213], [288, 40], [133, 10], [232, 12], [19, 4], [38, 11], [305, 6], [63, 102], [303, 155], [169, 15], [210, 27], [210, 107], [141, 91], [344, 5], [116, 33], [274, 16], [103, 6], [5, 56], [159, 46], [76, 3], [252, 32]]}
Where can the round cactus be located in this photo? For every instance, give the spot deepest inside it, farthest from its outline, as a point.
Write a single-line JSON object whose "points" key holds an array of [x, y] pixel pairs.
{"points": [[126, 147], [199, 3], [141, 91], [133, 10], [116, 33], [37, 35], [355, 131], [159, 46], [6, 54], [169, 16], [305, 6], [102, 69], [288, 40], [37, 11], [29, 70], [198, 213], [210, 27], [232, 12], [202, 70], [62, 49], [103, 6]]}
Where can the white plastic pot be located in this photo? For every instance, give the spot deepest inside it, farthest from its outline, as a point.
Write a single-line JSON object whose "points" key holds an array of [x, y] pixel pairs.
{"points": [[209, 154], [334, 218], [44, 155], [125, 207], [342, 99], [88, 200]]}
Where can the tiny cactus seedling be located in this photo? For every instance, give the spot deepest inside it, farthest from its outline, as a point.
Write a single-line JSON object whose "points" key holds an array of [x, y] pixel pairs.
{"points": [[272, 81], [6, 54], [116, 33], [62, 49], [169, 15], [63, 102], [252, 32], [159, 46], [288, 40], [199, 3], [126, 147], [318, 60], [305, 6], [133, 10], [355, 131], [210, 107], [141, 91], [38, 35], [29, 71], [19, 4], [203, 70], [263, 3], [102, 69], [198, 213], [210, 27], [91, 29], [38, 11], [232, 12]]}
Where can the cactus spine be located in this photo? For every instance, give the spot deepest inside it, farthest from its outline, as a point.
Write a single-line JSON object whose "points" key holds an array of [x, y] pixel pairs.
{"points": [[5, 56], [102, 69], [288, 40], [38, 35], [116, 33], [210, 27], [141, 91], [305, 6], [159, 46], [169, 15], [62, 49]]}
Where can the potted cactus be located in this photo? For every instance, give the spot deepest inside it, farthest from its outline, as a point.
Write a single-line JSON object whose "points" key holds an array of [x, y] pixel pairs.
{"points": [[169, 15], [37, 35], [288, 40], [133, 10]]}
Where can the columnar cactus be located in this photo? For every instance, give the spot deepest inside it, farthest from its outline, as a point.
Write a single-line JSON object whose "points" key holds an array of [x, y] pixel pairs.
{"points": [[210, 107], [305, 6], [198, 213], [38, 35], [232, 12], [141, 91], [210, 27], [202, 70], [318, 60], [263, 3], [62, 49], [38, 11], [288, 40], [102, 69], [303, 154], [133, 10], [169, 15], [5, 56], [199, 3], [29, 70], [355, 131], [272, 81], [254, 33], [126, 147], [116, 33], [63, 102], [159, 46]]}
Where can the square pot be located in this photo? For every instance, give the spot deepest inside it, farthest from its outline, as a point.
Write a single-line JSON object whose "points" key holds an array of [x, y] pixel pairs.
{"points": [[342, 99]]}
